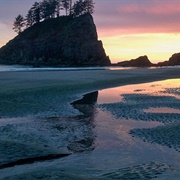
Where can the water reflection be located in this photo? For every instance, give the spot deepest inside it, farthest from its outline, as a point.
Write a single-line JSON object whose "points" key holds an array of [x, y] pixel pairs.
{"points": [[169, 87], [162, 110], [86, 106], [27, 140]]}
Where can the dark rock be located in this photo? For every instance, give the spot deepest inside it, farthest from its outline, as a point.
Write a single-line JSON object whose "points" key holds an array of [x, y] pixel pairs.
{"points": [[173, 61], [164, 63], [141, 61], [90, 98], [64, 41]]}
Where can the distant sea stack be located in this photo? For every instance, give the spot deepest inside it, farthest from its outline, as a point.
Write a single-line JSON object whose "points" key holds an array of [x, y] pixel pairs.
{"points": [[63, 41], [173, 61], [141, 61]]}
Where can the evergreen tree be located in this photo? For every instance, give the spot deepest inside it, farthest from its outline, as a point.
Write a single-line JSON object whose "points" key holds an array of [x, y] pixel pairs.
{"points": [[70, 7], [66, 5], [52, 6], [48, 8], [59, 7], [18, 24], [78, 8], [29, 18], [34, 15], [51, 9], [36, 12], [89, 6], [83, 6]]}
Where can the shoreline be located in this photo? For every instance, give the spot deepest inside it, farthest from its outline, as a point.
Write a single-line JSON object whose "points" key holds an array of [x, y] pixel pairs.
{"points": [[49, 93]]}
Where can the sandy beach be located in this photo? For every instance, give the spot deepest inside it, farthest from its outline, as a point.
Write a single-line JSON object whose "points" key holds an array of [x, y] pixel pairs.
{"points": [[49, 93], [129, 129]]}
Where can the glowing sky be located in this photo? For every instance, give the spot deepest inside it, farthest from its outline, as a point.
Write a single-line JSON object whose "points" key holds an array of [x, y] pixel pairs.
{"points": [[128, 28]]}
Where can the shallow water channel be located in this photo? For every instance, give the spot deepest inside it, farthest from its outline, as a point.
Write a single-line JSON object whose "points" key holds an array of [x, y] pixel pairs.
{"points": [[118, 137]]}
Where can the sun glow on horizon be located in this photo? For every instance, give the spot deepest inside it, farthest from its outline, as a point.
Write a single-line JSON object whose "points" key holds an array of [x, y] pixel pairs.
{"points": [[158, 47]]}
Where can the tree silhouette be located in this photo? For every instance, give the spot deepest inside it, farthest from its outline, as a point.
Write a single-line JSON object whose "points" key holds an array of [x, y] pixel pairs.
{"points": [[34, 15], [70, 7], [29, 18], [18, 24], [89, 5], [78, 8], [52, 8], [66, 5], [36, 10], [81, 7], [47, 9], [59, 7]]}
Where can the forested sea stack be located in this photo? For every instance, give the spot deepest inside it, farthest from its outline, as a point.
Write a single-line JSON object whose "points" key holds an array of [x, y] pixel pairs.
{"points": [[69, 40]]}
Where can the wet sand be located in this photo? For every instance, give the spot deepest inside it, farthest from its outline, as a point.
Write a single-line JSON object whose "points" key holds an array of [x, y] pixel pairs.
{"points": [[49, 93], [22, 80]]}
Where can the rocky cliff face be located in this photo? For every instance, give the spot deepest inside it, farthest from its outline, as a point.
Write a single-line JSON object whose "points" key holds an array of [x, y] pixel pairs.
{"points": [[141, 61], [63, 41]]}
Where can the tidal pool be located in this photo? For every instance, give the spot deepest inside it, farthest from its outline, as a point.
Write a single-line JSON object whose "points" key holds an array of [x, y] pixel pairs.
{"points": [[170, 87], [162, 110]]}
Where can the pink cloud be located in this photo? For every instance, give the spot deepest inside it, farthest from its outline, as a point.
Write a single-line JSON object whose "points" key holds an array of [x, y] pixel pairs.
{"points": [[137, 16], [151, 7]]}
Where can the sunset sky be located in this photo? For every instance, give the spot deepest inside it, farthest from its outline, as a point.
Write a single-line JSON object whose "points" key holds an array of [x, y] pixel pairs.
{"points": [[128, 28]]}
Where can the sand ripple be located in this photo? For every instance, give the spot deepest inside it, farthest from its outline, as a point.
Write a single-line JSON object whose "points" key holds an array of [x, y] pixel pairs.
{"points": [[175, 91], [164, 135], [144, 171], [134, 105]]}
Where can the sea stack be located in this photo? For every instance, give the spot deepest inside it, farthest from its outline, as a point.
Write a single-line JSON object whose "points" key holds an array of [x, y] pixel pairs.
{"points": [[63, 41], [141, 61], [174, 60]]}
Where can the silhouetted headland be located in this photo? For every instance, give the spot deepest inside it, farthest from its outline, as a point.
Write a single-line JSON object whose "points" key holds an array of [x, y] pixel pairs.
{"points": [[173, 61], [143, 61], [62, 41]]}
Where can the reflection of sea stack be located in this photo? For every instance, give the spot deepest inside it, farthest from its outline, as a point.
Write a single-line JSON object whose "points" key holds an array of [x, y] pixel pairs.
{"points": [[63, 41], [141, 61], [86, 104]]}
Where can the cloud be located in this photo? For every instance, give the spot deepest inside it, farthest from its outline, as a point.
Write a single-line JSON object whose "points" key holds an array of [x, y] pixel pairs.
{"points": [[151, 7], [137, 16]]}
